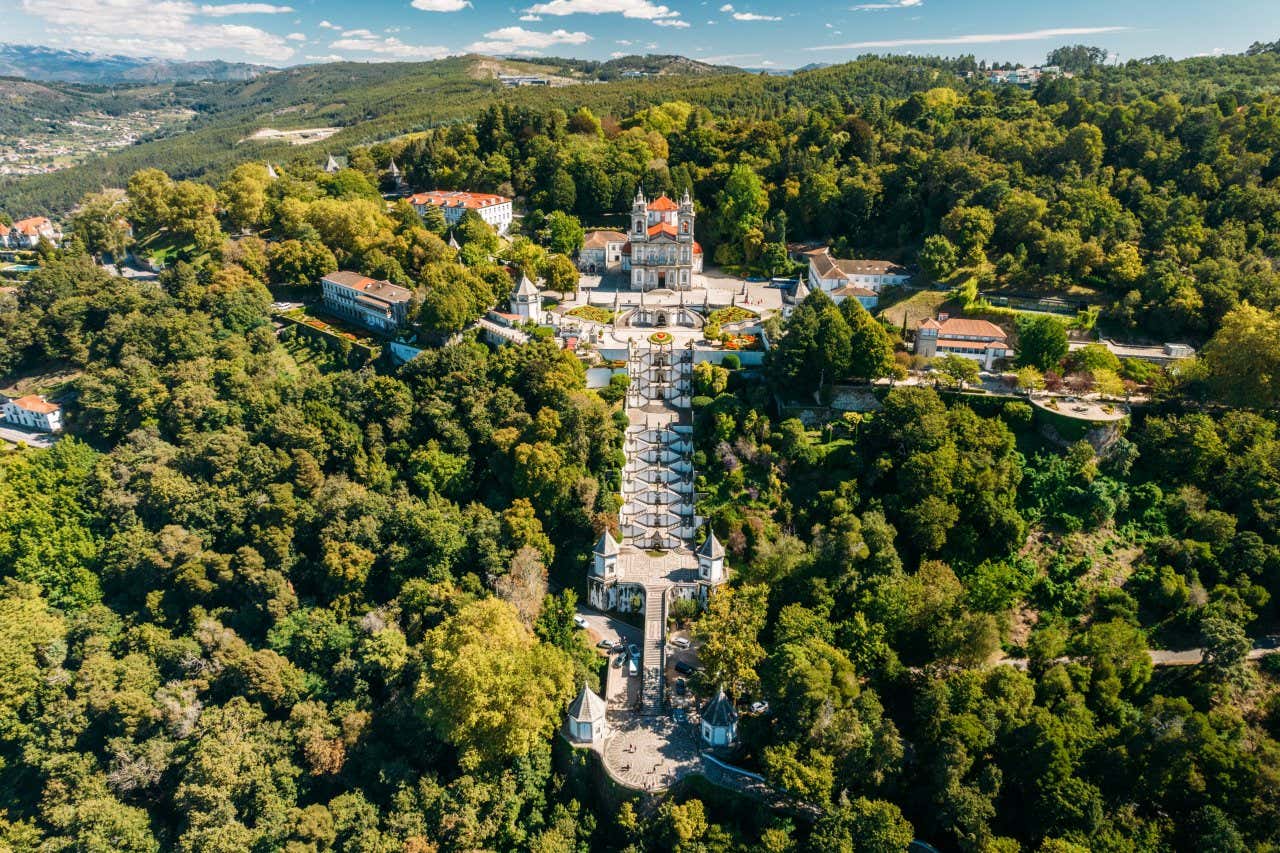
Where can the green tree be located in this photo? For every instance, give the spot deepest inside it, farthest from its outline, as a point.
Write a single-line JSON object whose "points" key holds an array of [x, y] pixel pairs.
{"points": [[870, 350], [730, 634], [565, 233], [958, 369], [938, 257], [101, 223], [1242, 359], [1042, 342], [561, 275], [489, 687]]}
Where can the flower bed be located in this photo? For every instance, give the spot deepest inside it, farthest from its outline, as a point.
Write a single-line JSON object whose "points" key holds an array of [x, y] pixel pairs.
{"points": [[592, 313], [660, 338], [742, 342], [732, 314]]}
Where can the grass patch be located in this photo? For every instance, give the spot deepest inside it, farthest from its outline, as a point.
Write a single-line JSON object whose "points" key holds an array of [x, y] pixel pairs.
{"points": [[913, 308]]}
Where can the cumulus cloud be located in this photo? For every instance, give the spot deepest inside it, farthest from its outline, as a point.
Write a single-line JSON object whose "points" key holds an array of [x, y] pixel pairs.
{"points": [[643, 9], [975, 38], [296, 37], [244, 9], [440, 5], [325, 25], [520, 40], [171, 29], [672, 22], [386, 47], [752, 16]]}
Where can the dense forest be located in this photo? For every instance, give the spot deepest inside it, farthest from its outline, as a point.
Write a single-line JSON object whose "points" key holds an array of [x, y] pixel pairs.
{"points": [[261, 600]]}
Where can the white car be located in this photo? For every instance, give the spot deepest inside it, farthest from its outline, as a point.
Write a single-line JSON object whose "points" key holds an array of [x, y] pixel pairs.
{"points": [[580, 620], [634, 666], [680, 642]]}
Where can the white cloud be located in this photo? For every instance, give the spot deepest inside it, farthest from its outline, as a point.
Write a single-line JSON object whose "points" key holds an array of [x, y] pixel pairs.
{"points": [[894, 4], [325, 25], [643, 9], [387, 47], [624, 42], [328, 57], [727, 7], [752, 16], [440, 5], [975, 38], [520, 40], [672, 22], [244, 9], [532, 19], [617, 54], [170, 29], [296, 37]]}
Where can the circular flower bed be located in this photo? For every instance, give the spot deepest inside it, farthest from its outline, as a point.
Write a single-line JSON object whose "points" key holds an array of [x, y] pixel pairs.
{"points": [[660, 338]]}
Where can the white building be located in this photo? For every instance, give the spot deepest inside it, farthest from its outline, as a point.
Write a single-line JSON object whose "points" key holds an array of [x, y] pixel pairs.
{"points": [[526, 301], [601, 251], [33, 412], [859, 278], [377, 305], [979, 340], [661, 251], [493, 209], [26, 233], [719, 721], [586, 719], [711, 560]]}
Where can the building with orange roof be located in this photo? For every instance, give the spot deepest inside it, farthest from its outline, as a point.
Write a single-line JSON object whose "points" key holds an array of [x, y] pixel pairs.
{"points": [[33, 412], [26, 233], [979, 340], [493, 209], [377, 305], [660, 251]]}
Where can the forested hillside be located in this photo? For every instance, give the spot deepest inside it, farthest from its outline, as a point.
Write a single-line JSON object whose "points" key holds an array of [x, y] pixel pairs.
{"points": [[260, 599]]}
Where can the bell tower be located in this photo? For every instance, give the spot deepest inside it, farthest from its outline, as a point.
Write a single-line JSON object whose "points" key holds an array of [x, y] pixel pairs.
{"points": [[639, 215]]}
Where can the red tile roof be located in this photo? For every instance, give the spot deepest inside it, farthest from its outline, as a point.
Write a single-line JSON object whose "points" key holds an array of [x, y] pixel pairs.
{"points": [[662, 204], [32, 225], [36, 403], [455, 198], [662, 228], [383, 290], [965, 327], [601, 239]]}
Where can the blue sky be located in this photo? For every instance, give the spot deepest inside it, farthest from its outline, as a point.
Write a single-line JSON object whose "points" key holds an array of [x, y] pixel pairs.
{"points": [[749, 33]]}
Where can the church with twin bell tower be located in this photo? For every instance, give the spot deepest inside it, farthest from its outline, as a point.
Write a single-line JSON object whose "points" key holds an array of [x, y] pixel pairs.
{"points": [[661, 251]]}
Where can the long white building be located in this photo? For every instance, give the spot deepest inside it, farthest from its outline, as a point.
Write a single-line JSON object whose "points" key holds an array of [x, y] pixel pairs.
{"points": [[377, 305], [493, 209]]}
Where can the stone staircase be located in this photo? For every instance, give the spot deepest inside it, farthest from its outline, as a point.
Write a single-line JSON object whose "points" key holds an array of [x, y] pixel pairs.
{"points": [[654, 651]]}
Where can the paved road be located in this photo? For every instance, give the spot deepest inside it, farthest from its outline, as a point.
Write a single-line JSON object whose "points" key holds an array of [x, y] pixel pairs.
{"points": [[1262, 647], [600, 625], [34, 439]]}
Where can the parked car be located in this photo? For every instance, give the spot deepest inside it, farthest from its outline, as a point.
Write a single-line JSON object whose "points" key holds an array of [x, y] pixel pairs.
{"points": [[606, 643], [634, 667], [685, 668], [681, 687], [679, 715], [634, 650], [579, 620], [680, 642], [759, 707], [617, 662]]}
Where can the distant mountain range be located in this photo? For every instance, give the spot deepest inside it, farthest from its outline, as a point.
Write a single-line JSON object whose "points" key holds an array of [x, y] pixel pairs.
{"points": [[36, 62]]}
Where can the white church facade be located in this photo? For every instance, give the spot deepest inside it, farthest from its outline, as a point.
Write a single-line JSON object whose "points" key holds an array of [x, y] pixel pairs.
{"points": [[658, 251]]}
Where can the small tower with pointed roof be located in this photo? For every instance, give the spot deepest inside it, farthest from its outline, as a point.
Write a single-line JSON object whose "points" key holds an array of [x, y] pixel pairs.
{"points": [[711, 559], [719, 721], [526, 301], [585, 722], [604, 562], [331, 165], [397, 178]]}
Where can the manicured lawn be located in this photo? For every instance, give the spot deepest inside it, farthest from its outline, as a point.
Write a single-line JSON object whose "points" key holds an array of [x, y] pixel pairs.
{"points": [[732, 314], [592, 313]]}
